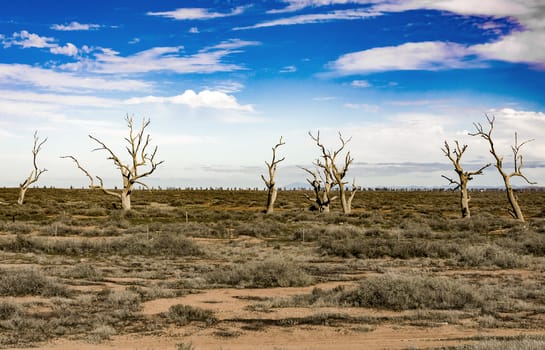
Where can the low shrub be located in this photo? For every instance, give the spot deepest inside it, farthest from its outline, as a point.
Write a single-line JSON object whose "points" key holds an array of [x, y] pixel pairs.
{"points": [[21, 282], [265, 274], [411, 292], [184, 314]]}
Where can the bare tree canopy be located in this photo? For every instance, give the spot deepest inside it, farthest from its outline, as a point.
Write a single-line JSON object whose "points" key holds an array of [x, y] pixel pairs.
{"points": [[464, 177], [272, 191], [337, 171], [35, 172], [322, 185], [486, 134], [141, 163]]}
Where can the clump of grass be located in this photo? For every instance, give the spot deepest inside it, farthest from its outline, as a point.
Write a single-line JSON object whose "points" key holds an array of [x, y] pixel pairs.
{"points": [[84, 271], [266, 274], [9, 310], [514, 343], [138, 244], [124, 300], [101, 333], [184, 314], [21, 282], [376, 247], [491, 255], [411, 292], [394, 292]]}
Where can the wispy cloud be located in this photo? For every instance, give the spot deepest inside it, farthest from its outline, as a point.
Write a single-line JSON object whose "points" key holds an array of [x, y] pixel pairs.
{"points": [[182, 14], [361, 83], [25, 75], [74, 26], [363, 106], [203, 99], [296, 5], [430, 55], [208, 60], [315, 18], [288, 69]]}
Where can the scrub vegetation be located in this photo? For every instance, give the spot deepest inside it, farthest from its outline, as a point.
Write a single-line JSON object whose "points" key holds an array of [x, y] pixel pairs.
{"points": [[76, 267]]}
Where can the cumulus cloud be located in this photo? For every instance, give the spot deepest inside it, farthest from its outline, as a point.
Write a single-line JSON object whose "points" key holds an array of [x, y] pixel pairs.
{"points": [[430, 55], [68, 50], [27, 40], [21, 74], [74, 26], [196, 13], [314, 18], [203, 99]]}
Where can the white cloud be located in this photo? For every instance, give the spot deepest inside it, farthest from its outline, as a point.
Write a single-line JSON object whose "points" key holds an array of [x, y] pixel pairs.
{"points": [[288, 69], [296, 5], [363, 106], [196, 13], [68, 50], [73, 26], [28, 40], [194, 30], [134, 41], [208, 60], [315, 18], [228, 87], [203, 99], [21, 74], [525, 46], [500, 8], [361, 83], [430, 55]]}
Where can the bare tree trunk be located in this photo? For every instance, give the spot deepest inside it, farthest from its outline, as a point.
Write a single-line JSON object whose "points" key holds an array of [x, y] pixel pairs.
{"points": [[130, 172], [126, 200], [271, 198], [272, 191], [336, 173], [464, 201], [322, 194], [463, 176], [35, 173], [22, 192], [515, 210]]}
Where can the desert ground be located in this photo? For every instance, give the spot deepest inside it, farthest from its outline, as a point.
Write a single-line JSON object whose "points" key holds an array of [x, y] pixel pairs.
{"points": [[207, 269]]}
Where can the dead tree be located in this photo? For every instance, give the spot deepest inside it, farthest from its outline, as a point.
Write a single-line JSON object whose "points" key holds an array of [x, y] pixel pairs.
{"points": [[515, 210], [272, 191], [464, 177], [130, 172], [34, 173], [322, 184], [336, 171]]}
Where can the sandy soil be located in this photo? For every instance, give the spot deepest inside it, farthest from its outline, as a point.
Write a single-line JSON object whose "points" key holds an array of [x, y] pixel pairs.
{"points": [[231, 304]]}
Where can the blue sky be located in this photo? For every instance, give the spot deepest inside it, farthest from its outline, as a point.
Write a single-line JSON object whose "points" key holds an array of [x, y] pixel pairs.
{"points": [[221, 81]]}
